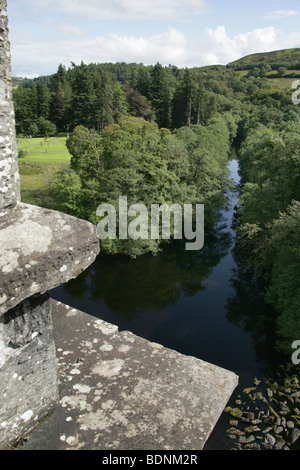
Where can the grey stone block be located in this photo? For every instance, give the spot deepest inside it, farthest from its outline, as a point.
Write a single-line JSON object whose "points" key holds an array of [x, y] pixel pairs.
{"points": [[28, 367], [41, 249]]}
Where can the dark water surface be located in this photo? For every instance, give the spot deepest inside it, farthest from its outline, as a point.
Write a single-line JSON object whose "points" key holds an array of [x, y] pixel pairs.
{"points": [[183, 300]]}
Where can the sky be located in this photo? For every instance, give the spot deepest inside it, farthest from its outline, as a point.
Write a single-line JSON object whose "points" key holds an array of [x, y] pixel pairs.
{"points": [[186, 33]]}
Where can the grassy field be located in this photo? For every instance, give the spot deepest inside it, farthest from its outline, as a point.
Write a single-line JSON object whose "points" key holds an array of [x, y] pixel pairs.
{"points": [[282, 82], [43, 150], [43, 157]]}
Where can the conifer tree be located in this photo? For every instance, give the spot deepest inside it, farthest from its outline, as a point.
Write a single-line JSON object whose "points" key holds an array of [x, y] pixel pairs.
{"points": [[160, 95]]}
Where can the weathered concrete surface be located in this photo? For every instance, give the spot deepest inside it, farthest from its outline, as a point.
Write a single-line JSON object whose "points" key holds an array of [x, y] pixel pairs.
{"points": [[9, 175], [121, 392], [41, 249]]}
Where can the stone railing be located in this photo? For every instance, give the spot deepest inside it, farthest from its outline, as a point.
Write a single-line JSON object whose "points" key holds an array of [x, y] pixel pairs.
{"points": [[39, 250]]}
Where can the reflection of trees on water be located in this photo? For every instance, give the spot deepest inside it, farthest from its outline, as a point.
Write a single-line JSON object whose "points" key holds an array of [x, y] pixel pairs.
{"points": [[248, 310], [131, 286]]}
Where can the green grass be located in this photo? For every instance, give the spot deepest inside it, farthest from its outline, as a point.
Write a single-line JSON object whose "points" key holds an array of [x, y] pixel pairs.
{"points": [[284, 57], [282, 82], [42, 160], [41, 150]]}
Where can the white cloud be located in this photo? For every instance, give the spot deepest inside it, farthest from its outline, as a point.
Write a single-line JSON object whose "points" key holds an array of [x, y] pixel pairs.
{"points": [[168, 47], [64, 28], [277, 14], [122, 9]]}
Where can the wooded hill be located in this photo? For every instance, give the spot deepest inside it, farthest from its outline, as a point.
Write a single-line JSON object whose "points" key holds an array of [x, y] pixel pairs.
{"points": [[97, 95], [289, 58]]}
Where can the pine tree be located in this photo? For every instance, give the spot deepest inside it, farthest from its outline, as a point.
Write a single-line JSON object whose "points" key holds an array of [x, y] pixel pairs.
{"points": [[82, 96], [103, 112], [182, 102], [43, 100], [58, 109], [160, 95]]}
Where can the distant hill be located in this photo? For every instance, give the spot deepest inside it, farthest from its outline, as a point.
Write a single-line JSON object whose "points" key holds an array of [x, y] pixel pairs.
{"points": [[288, 58]]}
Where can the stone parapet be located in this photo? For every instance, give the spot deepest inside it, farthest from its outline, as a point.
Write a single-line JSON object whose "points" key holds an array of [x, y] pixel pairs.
{"points": [[41, 249]]}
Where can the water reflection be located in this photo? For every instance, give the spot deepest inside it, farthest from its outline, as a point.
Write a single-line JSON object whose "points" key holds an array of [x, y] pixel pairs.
{"points": [[247, 310], [129, 287]]}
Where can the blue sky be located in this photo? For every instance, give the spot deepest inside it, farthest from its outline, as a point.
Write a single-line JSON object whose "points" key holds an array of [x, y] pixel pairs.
{"points": [[186, 33]]}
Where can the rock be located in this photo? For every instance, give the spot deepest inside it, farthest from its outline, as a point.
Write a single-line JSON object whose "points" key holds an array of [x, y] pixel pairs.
{"points": [[251, 429], [267, 430], [256, 421], [270, 439], [280, 442], [234, 423], [279, 430], [235, 432], [247, 416], [290, 424], [294, 435]]}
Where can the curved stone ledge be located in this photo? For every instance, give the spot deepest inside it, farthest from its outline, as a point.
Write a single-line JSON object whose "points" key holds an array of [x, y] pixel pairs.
{"points": [[41, 249]]}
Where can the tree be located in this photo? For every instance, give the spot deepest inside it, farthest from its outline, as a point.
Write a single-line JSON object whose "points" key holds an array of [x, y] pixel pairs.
{"points": [[138, 104], [58, 110], [45, 127], [67, 190], [82, 96], [182, 102], [43, 101], [133, 158], [160, 95], [120, 105], [281, 71], [22, 109]]}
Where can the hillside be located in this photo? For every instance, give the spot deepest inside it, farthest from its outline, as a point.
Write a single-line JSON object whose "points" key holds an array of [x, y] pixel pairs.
{"points": [[288, 58]]}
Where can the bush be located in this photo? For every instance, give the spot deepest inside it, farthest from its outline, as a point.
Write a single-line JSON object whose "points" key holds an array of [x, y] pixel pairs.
{"points": [[22, 154]]}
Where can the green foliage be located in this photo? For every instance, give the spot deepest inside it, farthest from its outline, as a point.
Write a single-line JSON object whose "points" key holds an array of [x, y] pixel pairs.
{"points": [[284, 291], [67, 189], [269, 213], [148, 165], [160, 95]]}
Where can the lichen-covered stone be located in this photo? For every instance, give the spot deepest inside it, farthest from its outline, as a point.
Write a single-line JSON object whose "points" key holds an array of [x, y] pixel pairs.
{"points": [[28, 369], [122, 392], [41, 249]]}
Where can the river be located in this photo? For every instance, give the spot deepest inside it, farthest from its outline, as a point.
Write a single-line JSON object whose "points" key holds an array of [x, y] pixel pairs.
{"points": [[183, 300]]}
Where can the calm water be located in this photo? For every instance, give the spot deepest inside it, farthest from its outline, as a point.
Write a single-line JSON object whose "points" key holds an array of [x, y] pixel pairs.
{"points": [[183, 300]]}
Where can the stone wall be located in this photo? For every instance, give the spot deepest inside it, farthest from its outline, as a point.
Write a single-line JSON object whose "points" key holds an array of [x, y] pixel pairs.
{"points": [[27, 367], [9, 175], [39, 250]]}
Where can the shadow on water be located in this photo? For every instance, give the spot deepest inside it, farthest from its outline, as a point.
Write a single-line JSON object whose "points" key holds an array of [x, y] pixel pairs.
{"points": [[197, 303]]}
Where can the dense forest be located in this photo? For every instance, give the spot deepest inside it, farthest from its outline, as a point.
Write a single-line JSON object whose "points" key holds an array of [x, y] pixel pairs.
{"points": [[164, 135]]}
